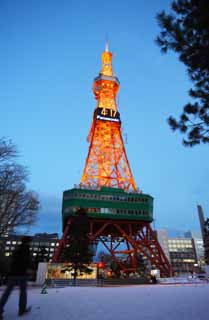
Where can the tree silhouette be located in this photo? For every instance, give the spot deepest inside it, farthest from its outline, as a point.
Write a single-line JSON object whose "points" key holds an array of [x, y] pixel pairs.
{"points": [[186, 31], [78, 252], [18, 206]]}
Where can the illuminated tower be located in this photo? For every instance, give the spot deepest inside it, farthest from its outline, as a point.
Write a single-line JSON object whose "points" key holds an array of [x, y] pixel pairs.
{"points": [[119, 214], [107, 163]]}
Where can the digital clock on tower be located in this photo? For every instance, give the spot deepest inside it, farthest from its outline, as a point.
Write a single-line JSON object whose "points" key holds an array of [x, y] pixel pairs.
{"points": [[107, 114]]}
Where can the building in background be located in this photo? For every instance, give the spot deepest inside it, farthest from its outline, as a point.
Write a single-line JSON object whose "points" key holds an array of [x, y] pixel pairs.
{"points": [[182, 255], [186, 254], [162, 236], [42, 246], [198, 246]]}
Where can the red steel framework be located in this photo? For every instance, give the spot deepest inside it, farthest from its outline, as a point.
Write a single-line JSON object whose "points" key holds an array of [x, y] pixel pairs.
{"points": [[136, 237], [107, 165]]}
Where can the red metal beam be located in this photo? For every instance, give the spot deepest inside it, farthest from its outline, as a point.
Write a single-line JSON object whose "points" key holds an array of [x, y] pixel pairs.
{"points": [[144, 241]]}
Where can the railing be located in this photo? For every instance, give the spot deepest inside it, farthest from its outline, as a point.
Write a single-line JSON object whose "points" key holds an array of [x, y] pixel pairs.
{"points": [[61, 283], [84, 187], [183, 280]]}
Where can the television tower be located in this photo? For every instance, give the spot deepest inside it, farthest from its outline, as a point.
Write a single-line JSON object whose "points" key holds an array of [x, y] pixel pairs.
{"points": [[107, 163], [118, 213]]}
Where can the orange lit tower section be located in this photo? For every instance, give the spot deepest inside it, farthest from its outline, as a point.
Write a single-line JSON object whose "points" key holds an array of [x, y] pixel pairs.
{"points": [[107, 163]]}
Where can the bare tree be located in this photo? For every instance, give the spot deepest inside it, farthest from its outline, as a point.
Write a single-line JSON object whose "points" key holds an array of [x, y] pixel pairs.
{"points": [[18, 206], [7, 150]]}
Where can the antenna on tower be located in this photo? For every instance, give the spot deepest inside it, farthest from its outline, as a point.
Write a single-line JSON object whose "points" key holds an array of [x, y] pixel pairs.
{"points": [[106, 44]]}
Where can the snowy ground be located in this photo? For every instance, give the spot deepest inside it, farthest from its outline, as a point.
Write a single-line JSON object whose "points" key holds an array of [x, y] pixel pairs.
{"points": [[151, 302]]}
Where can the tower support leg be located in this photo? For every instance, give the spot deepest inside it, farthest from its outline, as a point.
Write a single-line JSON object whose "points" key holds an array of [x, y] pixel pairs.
{"points": [[137, 237]]}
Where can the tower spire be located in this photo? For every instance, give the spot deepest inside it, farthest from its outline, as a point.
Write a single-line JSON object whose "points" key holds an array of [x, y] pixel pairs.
{"points": [[106, 46], [107, 62], [107, 163]]}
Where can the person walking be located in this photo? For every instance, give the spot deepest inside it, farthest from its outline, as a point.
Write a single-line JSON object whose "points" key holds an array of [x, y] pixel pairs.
{"points": [[18, 276]]}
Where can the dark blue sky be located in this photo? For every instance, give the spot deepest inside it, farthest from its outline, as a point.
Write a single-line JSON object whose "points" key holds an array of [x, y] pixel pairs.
{"points": [[49, 54]]}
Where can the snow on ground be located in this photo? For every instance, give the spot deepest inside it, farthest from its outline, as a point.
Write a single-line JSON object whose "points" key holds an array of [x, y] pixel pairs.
{"points": [[146, 302]]}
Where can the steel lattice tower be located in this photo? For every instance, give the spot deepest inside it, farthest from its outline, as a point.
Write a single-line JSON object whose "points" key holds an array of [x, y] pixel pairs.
{"points": [[117, 211], [107, 163]]}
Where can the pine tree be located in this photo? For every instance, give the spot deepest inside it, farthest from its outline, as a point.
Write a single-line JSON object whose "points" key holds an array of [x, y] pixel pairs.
{"points": [[186, 31], [78, 253], [206, 240]]}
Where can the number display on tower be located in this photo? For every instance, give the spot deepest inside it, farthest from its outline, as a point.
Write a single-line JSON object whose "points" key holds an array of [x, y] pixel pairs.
{"points": [[107, 114]]}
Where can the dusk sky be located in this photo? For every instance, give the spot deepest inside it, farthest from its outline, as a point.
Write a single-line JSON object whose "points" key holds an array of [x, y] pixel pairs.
{"points": [[50, 52]]}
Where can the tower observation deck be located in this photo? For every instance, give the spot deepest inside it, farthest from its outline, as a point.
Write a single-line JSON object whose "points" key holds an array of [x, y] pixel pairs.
{"points": [[117, 210]]}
